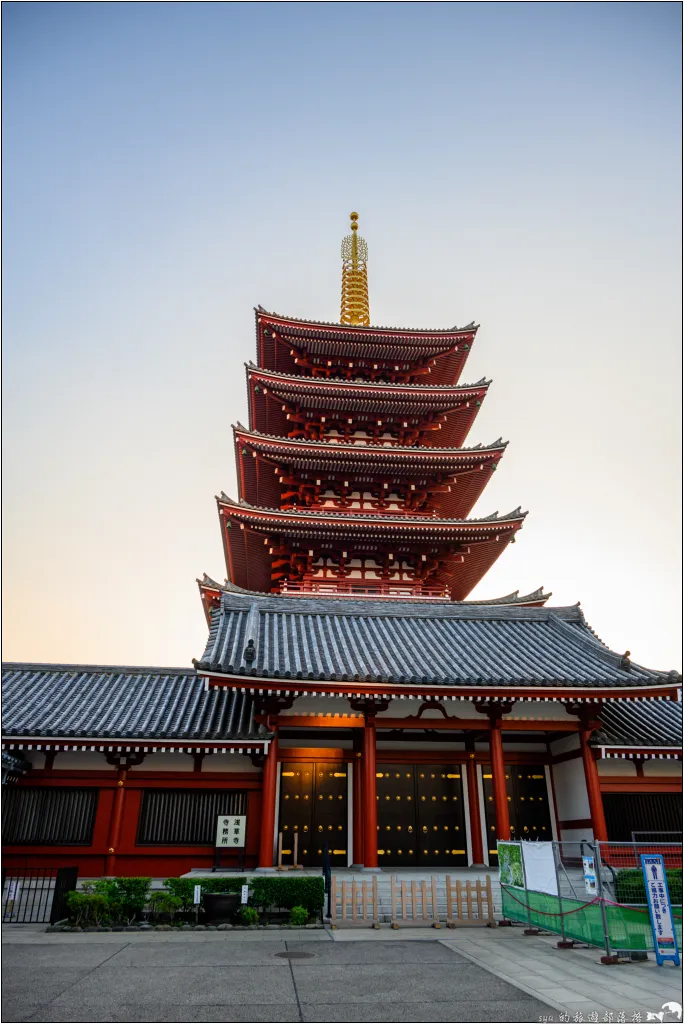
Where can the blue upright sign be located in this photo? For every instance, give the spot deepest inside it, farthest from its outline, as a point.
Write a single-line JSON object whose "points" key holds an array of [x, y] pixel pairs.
{"points": [[659, 908]]}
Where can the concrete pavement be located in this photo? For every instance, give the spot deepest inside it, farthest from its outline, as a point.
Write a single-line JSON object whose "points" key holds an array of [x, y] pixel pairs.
{"points": [[467, 974]]}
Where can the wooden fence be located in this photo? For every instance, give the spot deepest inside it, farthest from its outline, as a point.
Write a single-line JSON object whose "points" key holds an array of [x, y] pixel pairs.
{"points": [[469, 903], [358, 903], [414, 902]]}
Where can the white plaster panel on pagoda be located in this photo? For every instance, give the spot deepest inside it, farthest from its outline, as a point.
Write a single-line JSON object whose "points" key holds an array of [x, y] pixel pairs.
{"points": [[227, 763], [565, 744], [615, 766], [654, 767], [168, 762], [572, 801]]}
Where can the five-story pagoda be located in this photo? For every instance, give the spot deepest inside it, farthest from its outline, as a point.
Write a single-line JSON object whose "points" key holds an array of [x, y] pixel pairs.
{"points": [[353, 475]]}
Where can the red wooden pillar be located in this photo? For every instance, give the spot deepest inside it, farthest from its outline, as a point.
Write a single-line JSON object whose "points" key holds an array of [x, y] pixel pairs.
{"points": [[474, 809], [503, 822], [268, 802], [357, 805], [591, 776], [115, 821], [370, 815]]}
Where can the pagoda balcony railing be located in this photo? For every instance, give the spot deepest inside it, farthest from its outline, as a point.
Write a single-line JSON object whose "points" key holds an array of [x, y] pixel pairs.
{"points": [[387, 589], [393, 509]]}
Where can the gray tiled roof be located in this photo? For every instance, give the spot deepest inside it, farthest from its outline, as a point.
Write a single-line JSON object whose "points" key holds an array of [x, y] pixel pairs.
{"points": [[441, 644], [640, 724], [98, 702]]}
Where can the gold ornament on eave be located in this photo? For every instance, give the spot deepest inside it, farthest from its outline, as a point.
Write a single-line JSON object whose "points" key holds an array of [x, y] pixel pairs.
{"points": [[355, 308]]}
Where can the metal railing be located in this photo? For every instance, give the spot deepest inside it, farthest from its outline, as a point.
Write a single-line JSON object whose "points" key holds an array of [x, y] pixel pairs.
{"points": [[36, 895], [388, 589]]}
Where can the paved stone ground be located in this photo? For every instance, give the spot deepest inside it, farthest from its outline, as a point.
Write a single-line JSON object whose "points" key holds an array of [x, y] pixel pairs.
{"points": [[221, 979], [355, 975]]}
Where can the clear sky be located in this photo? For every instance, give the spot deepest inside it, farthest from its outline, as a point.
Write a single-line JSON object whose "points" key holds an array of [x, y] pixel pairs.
{"points": [[167, 167]]}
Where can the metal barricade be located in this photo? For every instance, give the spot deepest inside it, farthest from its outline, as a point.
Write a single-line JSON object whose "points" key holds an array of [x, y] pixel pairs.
{"points": [[598, 896]]}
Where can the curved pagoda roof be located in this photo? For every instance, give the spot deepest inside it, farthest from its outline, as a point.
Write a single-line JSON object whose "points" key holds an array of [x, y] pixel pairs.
{"points": [[464, 548], [279, 338], [368, 401], [295, 326], [400, 458], [407, 649], [458, 474]]}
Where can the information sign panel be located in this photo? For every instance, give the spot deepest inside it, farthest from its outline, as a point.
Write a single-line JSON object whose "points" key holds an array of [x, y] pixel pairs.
{"points": [[231, 830], [659, 908]]}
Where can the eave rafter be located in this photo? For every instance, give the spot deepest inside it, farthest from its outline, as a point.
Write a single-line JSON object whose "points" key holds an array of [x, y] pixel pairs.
{"points": [[313, 474]]}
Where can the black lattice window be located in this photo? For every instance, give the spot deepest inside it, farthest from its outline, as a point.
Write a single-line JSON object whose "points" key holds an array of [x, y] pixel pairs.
{"points": [[170, 817], [48, 816]]}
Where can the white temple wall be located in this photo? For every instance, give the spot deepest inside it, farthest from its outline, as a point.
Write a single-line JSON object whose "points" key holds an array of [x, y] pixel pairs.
{"points": [[77, 761], [177, 762], [662, 768], [565, 744], [616, 766], [227, 763], [572, 802]]}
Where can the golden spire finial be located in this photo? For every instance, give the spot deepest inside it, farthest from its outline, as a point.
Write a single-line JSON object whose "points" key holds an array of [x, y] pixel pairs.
{"points": [[355, 309]]}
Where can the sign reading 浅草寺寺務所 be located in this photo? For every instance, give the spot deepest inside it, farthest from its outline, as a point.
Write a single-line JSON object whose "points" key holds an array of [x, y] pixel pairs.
{"points": [[231, 830], [659, 908]]}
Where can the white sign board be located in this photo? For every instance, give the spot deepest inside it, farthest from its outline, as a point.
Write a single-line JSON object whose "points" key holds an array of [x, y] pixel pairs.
{"points": [[231, 830], [589, 869], [540, 867], [659, 908], [245, 893], [13, 889], [197, 898]]}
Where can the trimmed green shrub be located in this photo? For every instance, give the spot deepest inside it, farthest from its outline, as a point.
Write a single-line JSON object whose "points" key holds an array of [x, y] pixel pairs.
{"points": [[125, 898], [163, 902], [307, 892], [184, 888], [299, 916], [630, 888], [284, 893], [86, 908], [249, 915]]}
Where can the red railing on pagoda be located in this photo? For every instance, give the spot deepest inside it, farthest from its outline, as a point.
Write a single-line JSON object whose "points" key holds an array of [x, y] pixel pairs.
{"points": [[387, 589]]}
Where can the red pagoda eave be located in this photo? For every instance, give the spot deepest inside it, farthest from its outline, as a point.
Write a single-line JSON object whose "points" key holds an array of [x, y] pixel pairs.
{"points": [[451, 478], [454, 553], [432, 393], [394, 454], [269, 685], [471, 530], [448, 334]]}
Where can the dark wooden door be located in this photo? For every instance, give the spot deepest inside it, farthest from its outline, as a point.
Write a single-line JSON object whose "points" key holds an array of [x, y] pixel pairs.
{"points": [[441, 819], [397, 827], [528, 804], [313, 803], [533, 815], [420, 816]]}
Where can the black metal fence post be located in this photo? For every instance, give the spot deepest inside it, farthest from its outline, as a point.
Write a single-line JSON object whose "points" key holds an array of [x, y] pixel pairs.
{"points": [[327, 874]]}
